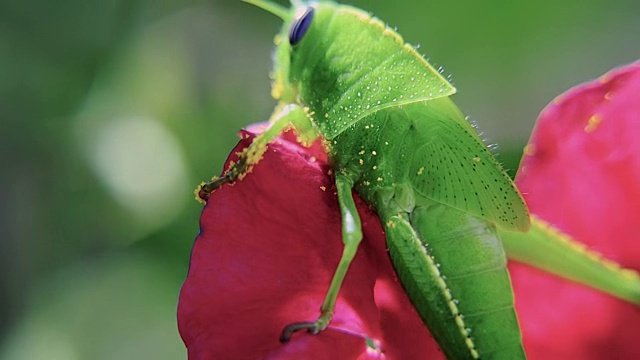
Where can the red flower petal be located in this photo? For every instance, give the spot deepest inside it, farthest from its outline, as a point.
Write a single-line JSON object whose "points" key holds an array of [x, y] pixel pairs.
{"points": [[580, 173], [264, 257]]}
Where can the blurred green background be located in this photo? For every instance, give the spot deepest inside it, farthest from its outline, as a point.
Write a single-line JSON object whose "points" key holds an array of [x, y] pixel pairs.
{"points": [[113, 111]]}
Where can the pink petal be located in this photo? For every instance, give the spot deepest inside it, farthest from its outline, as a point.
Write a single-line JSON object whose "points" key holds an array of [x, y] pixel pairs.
{"points": [[581, 173], [264, 257], [583, 165]]}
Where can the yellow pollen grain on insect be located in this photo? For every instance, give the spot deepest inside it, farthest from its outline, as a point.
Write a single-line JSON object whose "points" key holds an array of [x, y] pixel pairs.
{"points": [[530, 149], [421, 170], [593, 123], [243, 175], [361, 152], [390, 32], [374, 153], [362, 16], [313, 159], [361, 162], [196, 192], [323, 188], [376, 22], [391, 224], [326, 115], [453, 307], [379, 179], [374, 167], [254, 156], [476, 159], [459, 321]]}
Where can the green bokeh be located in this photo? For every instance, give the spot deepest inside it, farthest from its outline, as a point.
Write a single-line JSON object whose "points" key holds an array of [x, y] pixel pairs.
{"points": [[112, 112]]}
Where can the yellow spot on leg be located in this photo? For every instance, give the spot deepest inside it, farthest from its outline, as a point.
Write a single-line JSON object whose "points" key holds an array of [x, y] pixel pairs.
{"points": [[196, 192]]}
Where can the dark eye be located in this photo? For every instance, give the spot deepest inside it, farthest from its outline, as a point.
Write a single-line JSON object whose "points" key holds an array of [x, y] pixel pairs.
{"points": [[300, 25]]}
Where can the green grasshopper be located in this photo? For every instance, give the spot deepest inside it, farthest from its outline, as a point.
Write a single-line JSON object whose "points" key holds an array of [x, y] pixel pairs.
{"points": [[393, 134]]}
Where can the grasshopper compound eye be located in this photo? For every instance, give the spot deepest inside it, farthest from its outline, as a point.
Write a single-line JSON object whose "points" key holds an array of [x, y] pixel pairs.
{"points": [[300, 25]]}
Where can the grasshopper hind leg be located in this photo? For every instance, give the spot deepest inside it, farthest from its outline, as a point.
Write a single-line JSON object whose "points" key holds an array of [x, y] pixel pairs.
{"points": [[453, 268]]}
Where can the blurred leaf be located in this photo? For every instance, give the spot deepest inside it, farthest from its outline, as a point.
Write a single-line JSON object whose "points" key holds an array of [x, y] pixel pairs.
{"points": [[114, 307]]}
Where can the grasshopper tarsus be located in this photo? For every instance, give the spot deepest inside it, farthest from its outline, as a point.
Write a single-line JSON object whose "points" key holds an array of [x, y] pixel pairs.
{"points": [[311, 327], [210, 186]]}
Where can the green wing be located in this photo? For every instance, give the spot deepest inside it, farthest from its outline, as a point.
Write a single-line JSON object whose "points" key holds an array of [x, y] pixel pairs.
{"points": [[452, 166]]}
